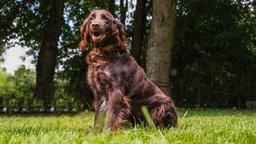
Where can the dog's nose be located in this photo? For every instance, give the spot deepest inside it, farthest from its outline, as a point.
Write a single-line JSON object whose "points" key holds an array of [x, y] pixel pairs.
{"points": [[95, 24]]}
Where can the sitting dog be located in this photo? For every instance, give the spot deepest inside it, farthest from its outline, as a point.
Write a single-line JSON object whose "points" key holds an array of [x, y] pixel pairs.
{"points": [[119, 84]]}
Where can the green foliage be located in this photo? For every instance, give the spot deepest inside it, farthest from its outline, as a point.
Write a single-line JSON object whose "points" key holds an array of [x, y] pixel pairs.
{"points": [[214, 53], [16, 94], [195, 126], [3, 76], [23, 21], [63, 100], [16, 91]]}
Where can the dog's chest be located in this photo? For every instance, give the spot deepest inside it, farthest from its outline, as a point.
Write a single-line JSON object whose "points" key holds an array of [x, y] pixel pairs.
{"points": [[99, 78]]}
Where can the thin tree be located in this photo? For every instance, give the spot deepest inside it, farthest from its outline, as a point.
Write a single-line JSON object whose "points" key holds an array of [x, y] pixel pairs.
{"points": [[112, 7], [48, 52], [123, 10], [139, 27], [158, 60]]}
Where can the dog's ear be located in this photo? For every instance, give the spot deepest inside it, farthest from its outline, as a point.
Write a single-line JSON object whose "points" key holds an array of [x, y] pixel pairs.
{"points": [[84, 35], [119, 31]]}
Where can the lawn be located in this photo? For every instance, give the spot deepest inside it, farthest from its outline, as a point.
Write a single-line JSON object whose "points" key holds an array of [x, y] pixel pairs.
{"points": [[195, 126]]}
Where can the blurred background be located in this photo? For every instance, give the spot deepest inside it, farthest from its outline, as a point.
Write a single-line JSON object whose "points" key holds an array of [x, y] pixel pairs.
{"points": [[213, 55]]}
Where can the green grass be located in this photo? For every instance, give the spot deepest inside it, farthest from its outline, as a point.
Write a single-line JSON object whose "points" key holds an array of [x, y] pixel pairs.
{"points": [[195, 126]]}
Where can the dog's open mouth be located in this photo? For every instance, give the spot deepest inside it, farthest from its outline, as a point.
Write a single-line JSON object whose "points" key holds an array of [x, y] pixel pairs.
{"points": [[97, 36]]}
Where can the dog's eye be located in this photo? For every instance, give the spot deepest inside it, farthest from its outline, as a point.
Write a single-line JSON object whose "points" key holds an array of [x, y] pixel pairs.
{"points": [[91, 18], [105, 18]]}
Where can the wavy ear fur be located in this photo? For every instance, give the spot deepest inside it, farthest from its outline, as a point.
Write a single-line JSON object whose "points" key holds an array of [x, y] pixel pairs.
{"points": [[84, 35], [120, 34]]}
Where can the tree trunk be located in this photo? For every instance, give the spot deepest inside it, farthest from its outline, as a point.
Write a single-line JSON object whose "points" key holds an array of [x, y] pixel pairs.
{"points": [[48, 52], [138, 29], [112, 7], [160, 44], [123, 10]]}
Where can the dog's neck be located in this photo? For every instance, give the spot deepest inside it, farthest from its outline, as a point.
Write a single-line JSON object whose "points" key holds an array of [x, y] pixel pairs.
{"points": [[98, 56], [114, 51], [111, 51], [107, 47]]}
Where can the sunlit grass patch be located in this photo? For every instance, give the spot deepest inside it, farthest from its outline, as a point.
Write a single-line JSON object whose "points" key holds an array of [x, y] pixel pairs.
{"points": [[195, 126]]}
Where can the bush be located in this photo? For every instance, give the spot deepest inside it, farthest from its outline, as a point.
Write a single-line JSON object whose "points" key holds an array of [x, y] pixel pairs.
{"points": [[16, 91], [16, 94]]}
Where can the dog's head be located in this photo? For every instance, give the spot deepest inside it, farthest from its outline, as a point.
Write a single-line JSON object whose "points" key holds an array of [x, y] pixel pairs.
{"points": [[101, 29]]}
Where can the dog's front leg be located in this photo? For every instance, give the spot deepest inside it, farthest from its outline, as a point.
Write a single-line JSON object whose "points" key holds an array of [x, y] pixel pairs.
{"points": [[100, 114], [118, 111]]}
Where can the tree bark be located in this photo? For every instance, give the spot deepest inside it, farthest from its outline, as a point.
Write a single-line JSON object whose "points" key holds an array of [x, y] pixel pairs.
{"points": [[48, 52], [123, 10], [138, 29], [160, 44], [112, 7]]}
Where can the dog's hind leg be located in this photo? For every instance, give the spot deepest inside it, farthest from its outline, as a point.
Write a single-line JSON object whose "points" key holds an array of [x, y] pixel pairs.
{"points": [[164, 115]]}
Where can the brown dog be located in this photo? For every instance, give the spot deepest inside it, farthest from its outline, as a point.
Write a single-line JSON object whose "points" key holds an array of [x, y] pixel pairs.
{"points": [[119, 84]]}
